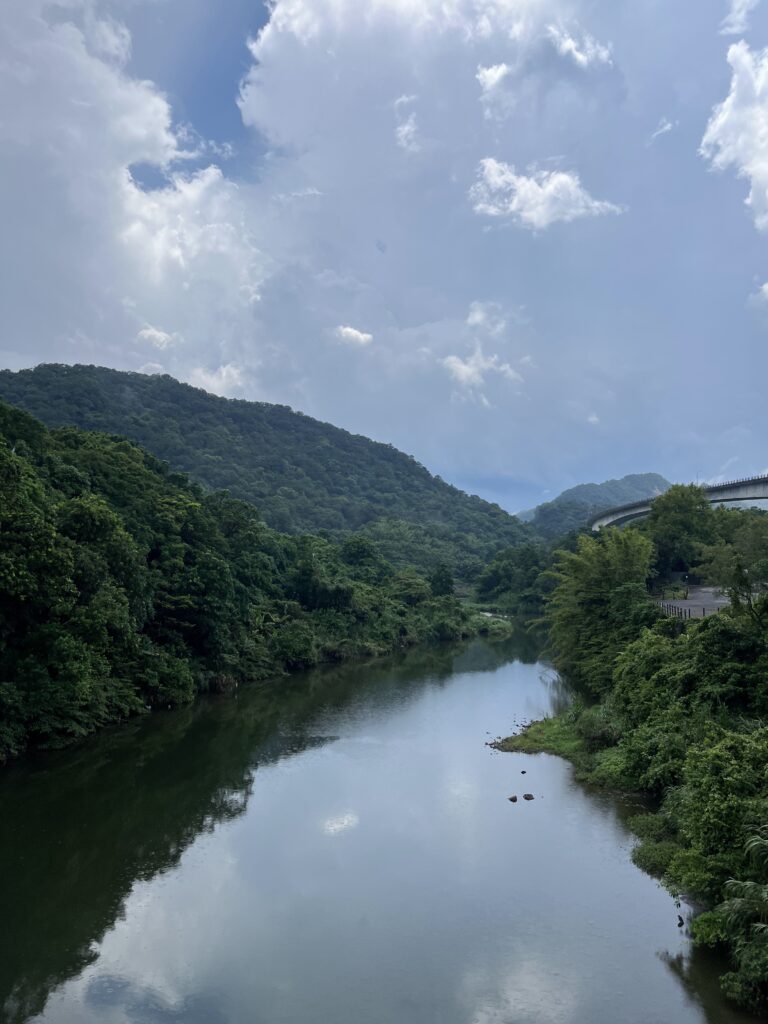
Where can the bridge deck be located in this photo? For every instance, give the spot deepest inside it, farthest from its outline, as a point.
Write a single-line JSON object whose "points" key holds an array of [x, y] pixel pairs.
{"points": [[749, 489]]}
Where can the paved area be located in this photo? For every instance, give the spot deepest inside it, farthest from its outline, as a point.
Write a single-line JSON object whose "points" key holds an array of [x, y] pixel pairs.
{"points": [[701, 601]]}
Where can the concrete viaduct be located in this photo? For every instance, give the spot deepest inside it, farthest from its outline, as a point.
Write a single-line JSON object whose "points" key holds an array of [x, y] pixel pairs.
{"points": [[752, 489]]}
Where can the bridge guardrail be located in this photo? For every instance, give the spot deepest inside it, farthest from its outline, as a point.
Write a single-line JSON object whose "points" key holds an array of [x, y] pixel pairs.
{"points": [[618, 509]]}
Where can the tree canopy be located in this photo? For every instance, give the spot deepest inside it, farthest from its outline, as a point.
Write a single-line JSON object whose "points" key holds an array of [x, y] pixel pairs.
{"points": [[125, 587]]}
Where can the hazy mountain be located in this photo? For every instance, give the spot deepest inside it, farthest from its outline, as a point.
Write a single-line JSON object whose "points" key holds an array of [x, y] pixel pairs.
{"points": [[574, 507]]}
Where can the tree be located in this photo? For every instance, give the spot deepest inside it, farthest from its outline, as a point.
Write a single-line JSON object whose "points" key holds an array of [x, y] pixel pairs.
{"points": [[679, 522], [441, 580], [738, 564], [599, 604], [741, 920], [513, 579]]}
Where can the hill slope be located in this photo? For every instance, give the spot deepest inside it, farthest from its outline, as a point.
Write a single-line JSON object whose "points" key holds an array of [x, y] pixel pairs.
{"points": [[301, 474], [573, 508]]}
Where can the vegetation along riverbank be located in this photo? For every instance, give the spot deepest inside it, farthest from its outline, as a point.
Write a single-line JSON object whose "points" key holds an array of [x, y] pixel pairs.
{"points": [[125, 586], [677, 710]]}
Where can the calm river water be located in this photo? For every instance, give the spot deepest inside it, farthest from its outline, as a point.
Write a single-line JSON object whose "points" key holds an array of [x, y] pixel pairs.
{"points": [[336, 849]]}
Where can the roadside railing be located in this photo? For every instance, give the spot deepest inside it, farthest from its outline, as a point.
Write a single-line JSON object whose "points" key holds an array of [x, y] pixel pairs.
{"points": [[690, 612]]}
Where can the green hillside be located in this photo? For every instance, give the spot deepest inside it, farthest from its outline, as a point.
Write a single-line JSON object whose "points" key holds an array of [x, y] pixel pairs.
{"points": [[573, 508], [302, 475], [124, 587]]}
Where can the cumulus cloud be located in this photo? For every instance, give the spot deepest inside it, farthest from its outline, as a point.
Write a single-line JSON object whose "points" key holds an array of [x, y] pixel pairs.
{"points": [[112, 257], [351, 336], [154, 336], [737, 19], [472, 371], [497, 100], [737, 133], [533, 201], [490, 78], [306, 20], [351, 209], [584, 52], [106, 37]]}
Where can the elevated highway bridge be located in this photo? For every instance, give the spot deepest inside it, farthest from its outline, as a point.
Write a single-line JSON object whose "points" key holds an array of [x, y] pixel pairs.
{"points": [[751, 489]]}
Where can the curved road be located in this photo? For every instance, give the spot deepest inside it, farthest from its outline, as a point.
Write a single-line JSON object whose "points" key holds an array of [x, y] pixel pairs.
{"points": [[751, 489]]}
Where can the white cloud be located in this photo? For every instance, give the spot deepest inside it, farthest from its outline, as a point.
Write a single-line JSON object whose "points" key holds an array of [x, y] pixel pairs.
{"points": [[535, 201], [343, 823], [584, 52], [151, 368], [737, 19], [407, 134], [490, 78], [307, 20], [225, 380], [112, 258], [487, 316], [737, 132], [497, 101], [336, 221], [303, 193], [351, 336], [154, 336], [107, 38], [472, 371], [593, 419], [407, 128], [664, 127]]}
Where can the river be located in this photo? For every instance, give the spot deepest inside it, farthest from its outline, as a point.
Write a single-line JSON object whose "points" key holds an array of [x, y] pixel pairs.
{"points": [[338, 848]]}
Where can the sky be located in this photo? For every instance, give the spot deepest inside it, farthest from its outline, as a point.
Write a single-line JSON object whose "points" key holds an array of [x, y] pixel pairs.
{"points": [[525, 241]]}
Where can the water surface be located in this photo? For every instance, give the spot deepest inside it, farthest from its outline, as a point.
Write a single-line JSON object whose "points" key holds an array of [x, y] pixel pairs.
{"points": [[338, 848]]}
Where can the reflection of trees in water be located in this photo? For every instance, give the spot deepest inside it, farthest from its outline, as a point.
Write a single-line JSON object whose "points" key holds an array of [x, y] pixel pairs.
{"points": [[86, 826], [80, 827], [699, 974]]}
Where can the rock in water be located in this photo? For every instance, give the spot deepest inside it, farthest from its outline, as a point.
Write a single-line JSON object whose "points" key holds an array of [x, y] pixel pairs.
{"points": [[527, 796], [513, 799]]}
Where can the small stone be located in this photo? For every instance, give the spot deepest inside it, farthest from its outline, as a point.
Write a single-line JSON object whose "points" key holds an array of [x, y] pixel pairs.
{"points": [[523, 772], [527, 796], [513, 799]]}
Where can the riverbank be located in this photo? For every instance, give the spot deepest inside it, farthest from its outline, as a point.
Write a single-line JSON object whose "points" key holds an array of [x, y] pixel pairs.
{"points": [[666, 843]]}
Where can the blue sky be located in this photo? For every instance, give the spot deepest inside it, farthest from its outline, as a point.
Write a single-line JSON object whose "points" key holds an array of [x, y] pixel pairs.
{"points": [[523, 240]]}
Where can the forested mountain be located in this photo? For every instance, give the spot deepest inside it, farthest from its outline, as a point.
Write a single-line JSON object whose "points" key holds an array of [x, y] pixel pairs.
{"points": [[124, 587], [302, 475], [573, 508]]}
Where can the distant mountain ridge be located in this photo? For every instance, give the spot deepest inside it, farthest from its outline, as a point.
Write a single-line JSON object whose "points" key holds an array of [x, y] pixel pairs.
{"points": [[574, 507], [303, 476]]}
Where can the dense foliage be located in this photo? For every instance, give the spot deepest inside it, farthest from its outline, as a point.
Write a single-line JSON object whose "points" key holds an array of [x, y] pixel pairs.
{"points": [[575, 507], [124, 587], [302, 475], [682, 708], [514, 581]]}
